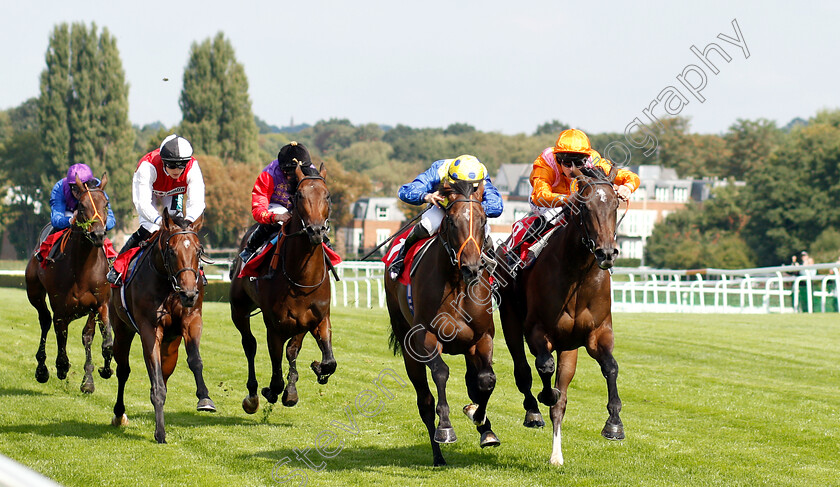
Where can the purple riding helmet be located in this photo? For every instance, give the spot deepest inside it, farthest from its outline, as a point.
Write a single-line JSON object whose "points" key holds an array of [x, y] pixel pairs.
{"points": [[85, 175]]}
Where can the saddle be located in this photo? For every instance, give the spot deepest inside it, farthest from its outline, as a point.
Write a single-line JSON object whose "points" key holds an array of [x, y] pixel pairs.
{"points": [[412, 257], [51, 249], [523, 244], [249, 270]]}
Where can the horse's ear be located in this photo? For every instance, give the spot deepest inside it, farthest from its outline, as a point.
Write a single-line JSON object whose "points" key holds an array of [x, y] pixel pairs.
{"points": [[103, 181], [299, 172], [197, 224], [79, 183], [323, 171], [166, 219]]}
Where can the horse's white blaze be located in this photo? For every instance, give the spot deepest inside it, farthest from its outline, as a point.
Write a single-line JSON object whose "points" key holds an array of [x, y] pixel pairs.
{"points": [[187, 243], [467, 213], [556, 451], [602, 194]]}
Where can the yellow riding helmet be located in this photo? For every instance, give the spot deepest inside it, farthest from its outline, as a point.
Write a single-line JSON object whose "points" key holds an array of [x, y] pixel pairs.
{"points": [[572, 141], [466, 168]]}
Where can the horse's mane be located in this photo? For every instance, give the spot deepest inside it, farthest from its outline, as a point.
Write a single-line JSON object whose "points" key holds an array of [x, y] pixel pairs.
{"points": [[464, 188], [180, 221], [594, 172], [309, 170]]}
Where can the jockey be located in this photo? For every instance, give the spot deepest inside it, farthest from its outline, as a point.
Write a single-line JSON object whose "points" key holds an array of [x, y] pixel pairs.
{"points": [[424, 189], [64, 198], [551, 176], [170, 175], [271, 198]]}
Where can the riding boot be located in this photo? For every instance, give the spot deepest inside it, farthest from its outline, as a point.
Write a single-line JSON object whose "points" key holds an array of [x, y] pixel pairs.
{"points": [[134, 240], [417, 233], [256, 239]]}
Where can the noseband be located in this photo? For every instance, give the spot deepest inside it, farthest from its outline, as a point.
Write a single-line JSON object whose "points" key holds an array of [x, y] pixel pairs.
{"points": [[167, 251], [586, 239], [85, 226], [307, 230]]}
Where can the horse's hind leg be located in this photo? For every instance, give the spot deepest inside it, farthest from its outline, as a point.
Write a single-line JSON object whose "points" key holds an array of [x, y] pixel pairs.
{"points": [[107, 341], [425, 402], [38, 298], [192, 338], [157, 393], [326, 367], [239, 314], [544, 363], [521, 369], [600, 347], [565, 372], [290, 395], [481, 381], [87, 338], [276, 341]]}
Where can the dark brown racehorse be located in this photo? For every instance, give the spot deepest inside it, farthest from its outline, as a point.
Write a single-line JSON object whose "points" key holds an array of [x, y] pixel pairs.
{"points": [[77, 287], [163, 299], [452, 314], [295, 300], [563, 302]]}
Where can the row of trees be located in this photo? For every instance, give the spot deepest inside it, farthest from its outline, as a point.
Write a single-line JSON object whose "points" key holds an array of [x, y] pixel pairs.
{"points": [[81, 115]]}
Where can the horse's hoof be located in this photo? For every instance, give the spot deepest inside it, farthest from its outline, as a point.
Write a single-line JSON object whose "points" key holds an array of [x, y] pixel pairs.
{"points": [[106, 373], [121, 421], [533, 420], [488, 438], [323, 379], [206, 404], [289, 399], [61, 373], [549, 398], [251, 403], [445, 435], [469, 411], [268, 395], [42, 374], [556, 460], [439, 462], [316, 367], [87, 387], [613, 431]]}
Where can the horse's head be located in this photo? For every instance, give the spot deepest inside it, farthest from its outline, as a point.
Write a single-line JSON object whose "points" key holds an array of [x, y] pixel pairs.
{"points": [[92, 210], [181, 250], [595, 203], [312, 203], [462, 230]]}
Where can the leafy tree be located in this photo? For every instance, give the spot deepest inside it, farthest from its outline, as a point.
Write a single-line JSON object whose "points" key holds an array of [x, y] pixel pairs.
{"points": [[23, 214], [826, 247], [83, 110], [459, 129], [228, 199], [751, 142], [553, 128], [216, 108], [361, 156], [345, 188]]}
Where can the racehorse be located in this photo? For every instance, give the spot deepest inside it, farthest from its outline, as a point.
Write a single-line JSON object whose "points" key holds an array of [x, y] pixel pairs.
{"points": [[77, 287], [452, 313], [563, 302], [161, 301], [295, 300]]}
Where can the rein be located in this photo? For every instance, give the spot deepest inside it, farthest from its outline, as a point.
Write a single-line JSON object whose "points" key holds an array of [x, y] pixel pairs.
{"points": [[96, 214], [586, 239], [165, 250], [455, 257], [304, 231]]}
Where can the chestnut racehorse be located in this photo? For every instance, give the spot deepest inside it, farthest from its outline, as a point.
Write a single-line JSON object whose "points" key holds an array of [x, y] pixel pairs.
{"points": [[76, 286], [452, 313], [163, 298], [563, 302], [295, 300]]}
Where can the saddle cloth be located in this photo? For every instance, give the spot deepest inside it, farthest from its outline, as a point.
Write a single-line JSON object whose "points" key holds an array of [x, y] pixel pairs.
{"points": [[520, 230], [55, 238], [250, 269], [394, 249]]}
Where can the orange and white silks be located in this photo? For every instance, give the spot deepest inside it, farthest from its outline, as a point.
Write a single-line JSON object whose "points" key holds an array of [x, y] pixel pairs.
{"points": [[551, 187]]}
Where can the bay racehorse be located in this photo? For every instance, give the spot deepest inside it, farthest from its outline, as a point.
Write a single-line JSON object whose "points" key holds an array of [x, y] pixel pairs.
{"points": [[161, 300], [451, 313], [76, 286], [563, 302], [295, 300]]}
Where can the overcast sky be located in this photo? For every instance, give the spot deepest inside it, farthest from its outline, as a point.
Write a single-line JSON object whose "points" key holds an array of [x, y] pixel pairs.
{"points": [[504, 66]]}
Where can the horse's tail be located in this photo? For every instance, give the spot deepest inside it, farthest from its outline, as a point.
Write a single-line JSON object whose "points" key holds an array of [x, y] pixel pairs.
{"points": [[394, 343]]}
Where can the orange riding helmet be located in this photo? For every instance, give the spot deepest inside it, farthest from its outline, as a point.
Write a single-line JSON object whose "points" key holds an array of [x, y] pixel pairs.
{"points": [[573, 141]]}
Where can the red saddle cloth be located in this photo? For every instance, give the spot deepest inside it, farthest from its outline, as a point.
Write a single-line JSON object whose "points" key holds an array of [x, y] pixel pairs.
{"points": [[122, 262], [54, 239], [250, 269], [394, 249], [520, 230]]}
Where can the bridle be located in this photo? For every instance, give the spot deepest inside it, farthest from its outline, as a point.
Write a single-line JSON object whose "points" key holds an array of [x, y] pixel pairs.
{"points": [[455, 257], [96, 214], [167, 252], [308, 231], [586, 239]]}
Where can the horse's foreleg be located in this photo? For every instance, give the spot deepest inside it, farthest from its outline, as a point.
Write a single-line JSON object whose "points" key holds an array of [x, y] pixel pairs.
{"points": [[192, 338], [37, 297], [522, 370], [275, 351], [323, 335], [104, 320], [87, 338], [151, 352], [62, 363], [123, 336], [544, 362], [239, 314], [440, 375], [600, 347], [481, 381], [290, 395], [565, 373], [425, 402]]}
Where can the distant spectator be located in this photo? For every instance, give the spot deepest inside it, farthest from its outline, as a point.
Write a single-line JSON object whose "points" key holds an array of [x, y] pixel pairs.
{"points": [[807, 260]]}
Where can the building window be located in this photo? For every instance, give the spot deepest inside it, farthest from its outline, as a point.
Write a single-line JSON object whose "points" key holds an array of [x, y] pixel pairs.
{"points": [[639, 195], [381, 212], [661, 194], [681, 195], [382, 235]]}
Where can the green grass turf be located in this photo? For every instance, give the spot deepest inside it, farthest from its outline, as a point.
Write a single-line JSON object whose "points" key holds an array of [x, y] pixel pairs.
{"points": [[708, 400]]}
